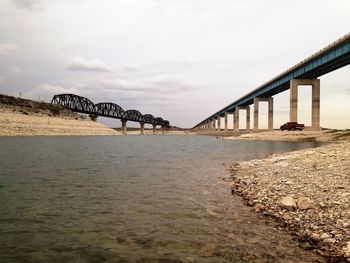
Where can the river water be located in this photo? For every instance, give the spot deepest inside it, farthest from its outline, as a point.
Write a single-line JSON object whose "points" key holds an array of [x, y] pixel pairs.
{"points": [[132, 199]]}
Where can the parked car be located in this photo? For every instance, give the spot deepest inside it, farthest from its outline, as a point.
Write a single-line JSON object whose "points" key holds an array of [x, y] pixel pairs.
{"points": [[292, 126]]}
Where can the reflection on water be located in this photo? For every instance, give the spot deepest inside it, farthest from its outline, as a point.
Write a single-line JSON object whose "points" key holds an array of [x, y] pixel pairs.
{"points": [[132, 199]]}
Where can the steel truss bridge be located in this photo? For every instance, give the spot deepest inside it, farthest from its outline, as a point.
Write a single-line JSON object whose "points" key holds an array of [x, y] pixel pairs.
{"points": [[106, 109]]}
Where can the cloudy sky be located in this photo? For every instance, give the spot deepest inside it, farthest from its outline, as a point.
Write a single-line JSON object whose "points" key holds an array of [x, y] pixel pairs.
{"points": [[179, 59]]}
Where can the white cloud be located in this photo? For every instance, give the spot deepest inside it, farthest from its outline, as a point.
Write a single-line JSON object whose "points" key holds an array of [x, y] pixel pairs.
{"points": [[80, 64], [15, 70], [30, 5], [2, 79], [7, 48], [46, 92]]}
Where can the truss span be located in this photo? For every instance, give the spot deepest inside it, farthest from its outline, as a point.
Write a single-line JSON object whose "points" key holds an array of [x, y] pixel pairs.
{"points": [[105, 109], [75, 103], [112, 110]]}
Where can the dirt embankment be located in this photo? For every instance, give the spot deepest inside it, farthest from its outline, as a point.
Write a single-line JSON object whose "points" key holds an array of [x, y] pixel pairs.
{"points": [[306, 191], [19, 117]]}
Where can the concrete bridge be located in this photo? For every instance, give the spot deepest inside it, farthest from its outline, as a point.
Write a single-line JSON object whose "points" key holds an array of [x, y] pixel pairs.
{"points": [[332, 57], [110, 110]]}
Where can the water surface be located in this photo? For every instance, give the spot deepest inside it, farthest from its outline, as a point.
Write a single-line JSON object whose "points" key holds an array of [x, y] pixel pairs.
{"points": [[132, 199]]}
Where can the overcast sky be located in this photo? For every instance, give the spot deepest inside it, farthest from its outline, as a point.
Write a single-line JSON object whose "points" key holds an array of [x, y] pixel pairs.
{"points": [[179, 59]]}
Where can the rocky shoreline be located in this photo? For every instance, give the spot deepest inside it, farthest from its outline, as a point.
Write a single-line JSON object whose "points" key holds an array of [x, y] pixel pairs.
{"points": [[307, 192]]}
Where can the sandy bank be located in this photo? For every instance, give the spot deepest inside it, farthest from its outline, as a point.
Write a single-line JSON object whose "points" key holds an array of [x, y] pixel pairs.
{"points": [[15, 123], [306, 191], [322, 136]]}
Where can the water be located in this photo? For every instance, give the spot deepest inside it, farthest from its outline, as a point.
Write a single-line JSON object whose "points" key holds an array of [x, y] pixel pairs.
{"points": [[132, 199]]}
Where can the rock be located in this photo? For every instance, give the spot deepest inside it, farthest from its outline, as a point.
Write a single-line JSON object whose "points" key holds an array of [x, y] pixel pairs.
{"points": [[208, 250], [231, 184], [304, 203], [288, 202], [315, 236], [287, 217], [322, 204], [258, 207], [346, 250], [325, 236], [329, 240]]}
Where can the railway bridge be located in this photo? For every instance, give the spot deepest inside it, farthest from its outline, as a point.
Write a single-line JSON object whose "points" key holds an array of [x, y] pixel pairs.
{"points": [[330, 58], [110, 110]]}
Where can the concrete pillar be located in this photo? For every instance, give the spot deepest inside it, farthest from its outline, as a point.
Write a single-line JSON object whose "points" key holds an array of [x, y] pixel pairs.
{"points": [[270, 118], [293, 103], [236, 120], [315, 112], [142, 128], [256, 114], [93, 117], [225, 121], [212, 127], [270, 112], [219, 126], [316, 90], [154, 129], [248, 118], [124, 129]]}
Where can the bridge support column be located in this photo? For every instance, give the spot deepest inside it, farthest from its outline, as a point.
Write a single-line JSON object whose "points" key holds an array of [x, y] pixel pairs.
{"points": [[93, 117], [256, 112], [226, 121], [315, 113], [236, 120], [248, 119], [219, 124], [142, 128], [124, 129], [247, 109], [213, 124]]}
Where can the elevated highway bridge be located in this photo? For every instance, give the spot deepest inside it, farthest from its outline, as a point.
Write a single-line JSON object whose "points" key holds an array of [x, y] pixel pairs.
{"points": [[306, 72]]}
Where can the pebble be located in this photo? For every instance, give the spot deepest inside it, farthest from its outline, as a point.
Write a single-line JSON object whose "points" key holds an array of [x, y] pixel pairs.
{"points": [[304, 203], [288, 202]]}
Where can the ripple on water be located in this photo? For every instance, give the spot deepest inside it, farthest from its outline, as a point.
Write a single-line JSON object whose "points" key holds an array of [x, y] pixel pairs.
{"points": [[132, 199]]}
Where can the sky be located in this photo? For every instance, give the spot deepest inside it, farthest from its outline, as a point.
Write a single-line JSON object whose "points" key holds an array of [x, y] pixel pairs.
{"points": [[182, 60]]}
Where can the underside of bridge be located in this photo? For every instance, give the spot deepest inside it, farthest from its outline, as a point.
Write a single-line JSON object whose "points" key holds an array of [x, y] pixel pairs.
{"points": [[331, 58]]}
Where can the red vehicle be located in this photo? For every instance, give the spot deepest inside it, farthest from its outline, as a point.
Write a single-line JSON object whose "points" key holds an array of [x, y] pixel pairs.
{"points": [[292, 126]]}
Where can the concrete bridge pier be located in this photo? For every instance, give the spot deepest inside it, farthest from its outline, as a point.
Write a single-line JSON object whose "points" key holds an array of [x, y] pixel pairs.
{"points": [[226, 115], [236, 120], [315, 113], [256, 112], [236, 117], [212, 124], [93, 117], [142, 128], [124, 129], [219, 124]]}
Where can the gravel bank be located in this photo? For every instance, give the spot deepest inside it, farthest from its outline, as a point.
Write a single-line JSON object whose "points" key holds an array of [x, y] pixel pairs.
{"points": [[306, 191], [323, 136]]}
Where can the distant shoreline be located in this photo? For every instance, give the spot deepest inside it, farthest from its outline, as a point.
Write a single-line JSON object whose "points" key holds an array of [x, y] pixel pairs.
{"points": [[21, 117]]}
